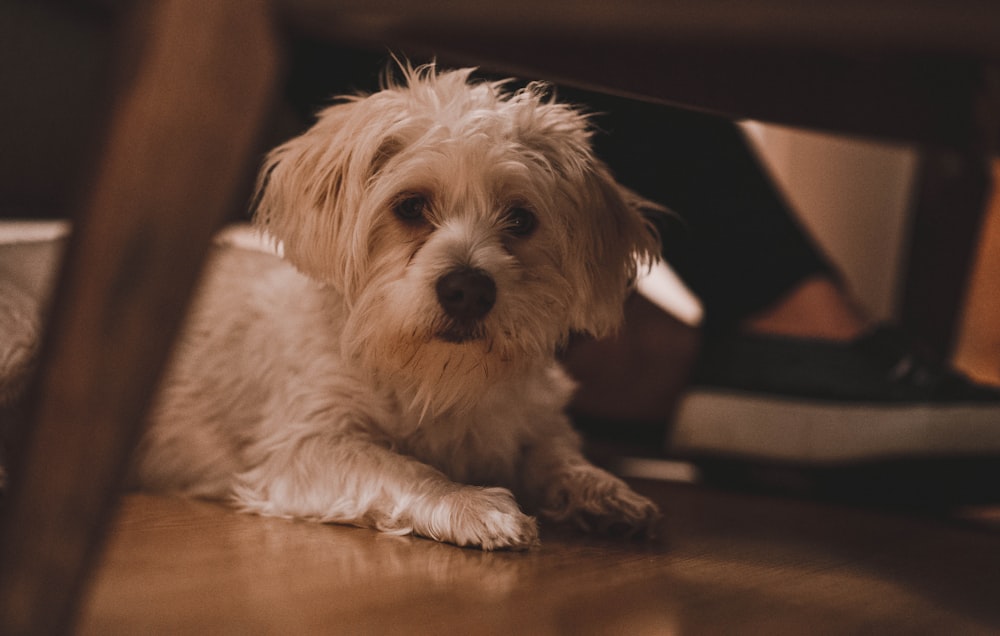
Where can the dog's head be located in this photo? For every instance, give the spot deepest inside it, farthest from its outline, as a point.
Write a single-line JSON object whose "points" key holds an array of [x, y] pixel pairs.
{"points": [[465, 226]]}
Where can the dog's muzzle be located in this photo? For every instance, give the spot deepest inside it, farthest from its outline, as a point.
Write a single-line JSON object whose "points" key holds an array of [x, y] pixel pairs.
{"points": [[466, 295]]}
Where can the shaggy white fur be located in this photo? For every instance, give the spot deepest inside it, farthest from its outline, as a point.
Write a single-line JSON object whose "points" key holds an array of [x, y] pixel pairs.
{"points": [[395, 368]]}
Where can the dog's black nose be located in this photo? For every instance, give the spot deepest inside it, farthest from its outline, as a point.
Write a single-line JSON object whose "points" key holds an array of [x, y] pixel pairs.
{"points": [[466, 294]]}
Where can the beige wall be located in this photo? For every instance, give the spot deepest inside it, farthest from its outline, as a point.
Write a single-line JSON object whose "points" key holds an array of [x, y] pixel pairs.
{"points": [[978, 350], [853, 195]]}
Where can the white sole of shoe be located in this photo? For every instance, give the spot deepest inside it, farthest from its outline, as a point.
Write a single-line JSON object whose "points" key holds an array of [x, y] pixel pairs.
{"points": [[710, 423]]}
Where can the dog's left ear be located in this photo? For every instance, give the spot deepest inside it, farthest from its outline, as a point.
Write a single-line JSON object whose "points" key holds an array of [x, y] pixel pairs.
{"points": [[608, 237], [620, 242]]}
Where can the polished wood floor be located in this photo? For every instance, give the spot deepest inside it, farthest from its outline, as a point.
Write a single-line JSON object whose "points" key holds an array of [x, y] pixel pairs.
{"points": [[725, 564]]}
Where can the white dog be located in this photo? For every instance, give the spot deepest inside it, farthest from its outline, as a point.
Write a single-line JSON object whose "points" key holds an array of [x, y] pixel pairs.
{"points": [[396, 368]]}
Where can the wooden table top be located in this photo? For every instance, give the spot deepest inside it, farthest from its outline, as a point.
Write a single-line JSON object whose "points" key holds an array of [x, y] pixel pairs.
{"points": [[912, 70]]}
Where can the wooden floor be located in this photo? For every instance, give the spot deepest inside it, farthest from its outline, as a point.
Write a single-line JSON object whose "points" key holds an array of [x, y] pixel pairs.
{"points": [[725, 564]]}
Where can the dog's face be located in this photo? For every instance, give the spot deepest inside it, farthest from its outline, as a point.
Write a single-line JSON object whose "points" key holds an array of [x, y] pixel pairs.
{"points": [[468, 230]]}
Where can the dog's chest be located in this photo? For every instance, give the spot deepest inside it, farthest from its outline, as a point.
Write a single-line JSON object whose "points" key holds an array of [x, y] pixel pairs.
{"points": [[483, 447]]}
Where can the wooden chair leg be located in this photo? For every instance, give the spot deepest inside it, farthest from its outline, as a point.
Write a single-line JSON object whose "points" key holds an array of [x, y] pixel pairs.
{"points": [[951, 198], [199, 80]]}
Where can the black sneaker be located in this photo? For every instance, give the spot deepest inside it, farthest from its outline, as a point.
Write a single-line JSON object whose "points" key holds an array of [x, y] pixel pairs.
{"points": [[811, 402]]}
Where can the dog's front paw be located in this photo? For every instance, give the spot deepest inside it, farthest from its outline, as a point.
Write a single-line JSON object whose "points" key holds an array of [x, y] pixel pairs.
{"points": [[600, 502], [487, 518]]}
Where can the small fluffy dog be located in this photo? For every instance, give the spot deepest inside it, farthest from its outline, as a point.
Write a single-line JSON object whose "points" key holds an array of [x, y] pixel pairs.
{"points": [[395, 368]]}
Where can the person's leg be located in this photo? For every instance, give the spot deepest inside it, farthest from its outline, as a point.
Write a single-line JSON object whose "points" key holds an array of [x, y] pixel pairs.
{"points": [[816, 307], [789, 369], [735, 241]]}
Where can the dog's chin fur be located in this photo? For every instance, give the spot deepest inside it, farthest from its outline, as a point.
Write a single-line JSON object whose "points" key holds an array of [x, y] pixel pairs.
{"points": [[332, 384]]}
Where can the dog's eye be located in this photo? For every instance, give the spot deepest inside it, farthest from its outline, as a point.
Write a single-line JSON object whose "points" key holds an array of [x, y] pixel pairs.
{"points": [[411, 207], [520, 221]]}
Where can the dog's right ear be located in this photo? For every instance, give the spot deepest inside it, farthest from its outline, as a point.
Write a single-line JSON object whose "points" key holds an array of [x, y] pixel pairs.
{"points": [[309, 193]]}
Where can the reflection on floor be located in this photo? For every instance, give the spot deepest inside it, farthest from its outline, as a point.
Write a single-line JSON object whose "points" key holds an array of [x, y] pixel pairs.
{"points": [[724, 563]]}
